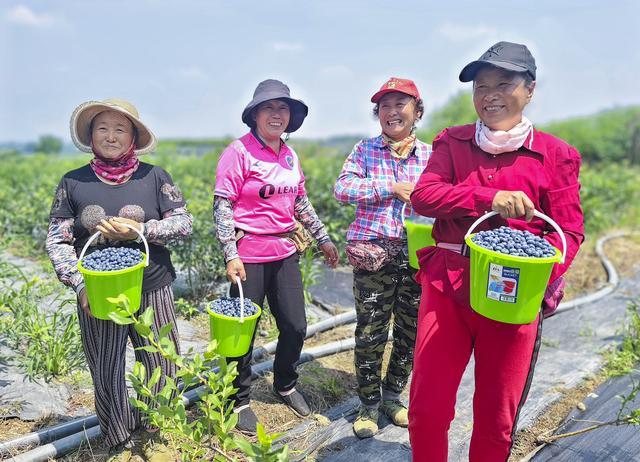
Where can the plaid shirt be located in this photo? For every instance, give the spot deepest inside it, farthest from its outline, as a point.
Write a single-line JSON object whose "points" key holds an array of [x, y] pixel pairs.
{"points": [[366, 180]]}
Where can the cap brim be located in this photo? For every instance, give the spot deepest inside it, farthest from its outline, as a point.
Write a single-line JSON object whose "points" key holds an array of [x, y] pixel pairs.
{"points": [[80, 124], [469, 71], [298, 109]]}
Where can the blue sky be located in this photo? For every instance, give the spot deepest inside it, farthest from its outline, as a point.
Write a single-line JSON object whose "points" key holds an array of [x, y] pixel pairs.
{"points": [[191, 66]]}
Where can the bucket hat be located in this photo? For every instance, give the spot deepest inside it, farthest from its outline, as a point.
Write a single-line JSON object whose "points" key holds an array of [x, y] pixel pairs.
{"points": [[274, 89], [80, 124], [505, 55], [406, 86]]}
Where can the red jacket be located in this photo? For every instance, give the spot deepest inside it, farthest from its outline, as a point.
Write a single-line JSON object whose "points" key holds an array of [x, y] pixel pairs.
{"points": [[459, 185]]}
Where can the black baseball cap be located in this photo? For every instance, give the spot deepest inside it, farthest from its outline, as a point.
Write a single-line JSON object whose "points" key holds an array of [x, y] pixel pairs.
{"points": [[505, 55]]}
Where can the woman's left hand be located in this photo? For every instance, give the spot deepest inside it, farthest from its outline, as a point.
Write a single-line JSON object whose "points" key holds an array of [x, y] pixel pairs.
{"points": [[113, 229], [330, 252]]}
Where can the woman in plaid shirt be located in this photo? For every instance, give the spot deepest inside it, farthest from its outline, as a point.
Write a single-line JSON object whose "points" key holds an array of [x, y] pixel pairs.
{"points": [[378, 177]]}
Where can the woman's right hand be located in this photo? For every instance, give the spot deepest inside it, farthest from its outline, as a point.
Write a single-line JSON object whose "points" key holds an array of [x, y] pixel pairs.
{"points": [[235, 268], [84, 302], [513, 204], [403, 191]]}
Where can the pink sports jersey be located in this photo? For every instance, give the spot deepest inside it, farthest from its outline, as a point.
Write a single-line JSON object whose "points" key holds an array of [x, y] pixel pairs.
{"points": [[263, 187]]}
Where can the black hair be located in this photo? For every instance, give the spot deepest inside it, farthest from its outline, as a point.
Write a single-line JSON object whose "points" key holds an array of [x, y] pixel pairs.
{"points": [[419, 108]]}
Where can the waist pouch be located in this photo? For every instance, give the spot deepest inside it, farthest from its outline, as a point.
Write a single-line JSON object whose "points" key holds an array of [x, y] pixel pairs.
{"points": [[367, 255], [298, 236]]}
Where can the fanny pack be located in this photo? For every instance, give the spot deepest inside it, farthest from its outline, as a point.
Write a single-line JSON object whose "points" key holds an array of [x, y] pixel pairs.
{"points": [[298, 236], [367, 255]]}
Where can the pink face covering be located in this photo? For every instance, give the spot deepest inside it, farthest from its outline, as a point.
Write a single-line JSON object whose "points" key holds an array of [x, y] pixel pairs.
{"points": [[116, 170], [499, 141]]}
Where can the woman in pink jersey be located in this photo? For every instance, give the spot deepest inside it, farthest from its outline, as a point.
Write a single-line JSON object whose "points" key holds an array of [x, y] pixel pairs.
{"points": [[260, 192]]}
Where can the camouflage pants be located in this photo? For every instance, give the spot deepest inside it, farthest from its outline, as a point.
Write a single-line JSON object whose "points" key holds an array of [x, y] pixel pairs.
{"points": [[378, 295]]}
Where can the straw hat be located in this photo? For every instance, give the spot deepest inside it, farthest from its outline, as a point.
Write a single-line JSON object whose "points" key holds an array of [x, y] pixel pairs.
{"points": [[82, 116], [274, 89]]}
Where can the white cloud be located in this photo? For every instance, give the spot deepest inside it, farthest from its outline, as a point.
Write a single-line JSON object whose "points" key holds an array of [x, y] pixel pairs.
{"points": [[23, 15], [461, 33], [287, 46]]}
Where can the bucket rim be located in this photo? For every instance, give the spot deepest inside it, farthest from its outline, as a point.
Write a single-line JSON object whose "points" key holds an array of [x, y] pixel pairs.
{"points": [[225, 317], [554, 259], [416, 223], [141, 264]]}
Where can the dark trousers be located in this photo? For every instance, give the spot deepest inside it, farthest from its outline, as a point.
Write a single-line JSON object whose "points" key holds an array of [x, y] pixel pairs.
{"points": [[105, 344], [281, 282]]}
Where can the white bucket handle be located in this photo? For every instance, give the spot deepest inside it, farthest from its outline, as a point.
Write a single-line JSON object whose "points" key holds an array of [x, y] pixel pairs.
{"points": [[92, 238], [535, 213], [404, 207], [239, 282]]}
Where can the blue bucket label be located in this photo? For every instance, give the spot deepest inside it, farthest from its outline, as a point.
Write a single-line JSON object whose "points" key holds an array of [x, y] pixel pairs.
{"points": [[502, 284]]}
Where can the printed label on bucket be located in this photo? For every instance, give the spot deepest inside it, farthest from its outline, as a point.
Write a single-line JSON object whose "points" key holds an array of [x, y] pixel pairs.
{"points": [[503, 283]]}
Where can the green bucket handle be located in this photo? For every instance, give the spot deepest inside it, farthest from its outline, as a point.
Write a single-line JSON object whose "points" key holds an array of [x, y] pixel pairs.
{"points": [[92, 238], [535, 213], [241, 298]]}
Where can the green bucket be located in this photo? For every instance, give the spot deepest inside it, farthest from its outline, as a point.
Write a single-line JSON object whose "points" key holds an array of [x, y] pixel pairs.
{"points": [[507, 288], [418, 237], [234, 335], [100, 285]]}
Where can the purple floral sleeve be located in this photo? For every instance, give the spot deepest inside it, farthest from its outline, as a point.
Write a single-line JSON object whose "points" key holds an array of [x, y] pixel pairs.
{"points": [[306, 214], [59, 246], [225, 227], [176, 225]]}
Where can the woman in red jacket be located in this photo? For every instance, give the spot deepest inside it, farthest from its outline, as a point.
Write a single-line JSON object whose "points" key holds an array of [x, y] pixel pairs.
{"points": [[502, 164]]}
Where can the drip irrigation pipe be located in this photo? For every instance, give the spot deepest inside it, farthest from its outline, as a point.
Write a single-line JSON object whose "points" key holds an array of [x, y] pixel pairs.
{"points": [[313, 329], [612, 277]]}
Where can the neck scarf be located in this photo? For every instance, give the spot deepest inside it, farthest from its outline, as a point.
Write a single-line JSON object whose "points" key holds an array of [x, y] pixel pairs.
{"points": [[400, 149], [116, 170], [499, 141]]}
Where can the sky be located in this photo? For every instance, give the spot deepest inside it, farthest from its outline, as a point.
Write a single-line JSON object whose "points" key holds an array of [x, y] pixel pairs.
{"points": [[190, 66]]}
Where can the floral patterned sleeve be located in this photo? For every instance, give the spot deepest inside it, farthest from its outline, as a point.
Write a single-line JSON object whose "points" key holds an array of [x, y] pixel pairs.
{"points": [[306, 214], [176, 225], [59, 246], [225, 227]]}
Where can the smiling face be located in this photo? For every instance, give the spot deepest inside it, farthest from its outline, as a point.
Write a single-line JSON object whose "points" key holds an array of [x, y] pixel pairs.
{"points": [[111, 135], [272, 118], [397, 113], [500, 96]]}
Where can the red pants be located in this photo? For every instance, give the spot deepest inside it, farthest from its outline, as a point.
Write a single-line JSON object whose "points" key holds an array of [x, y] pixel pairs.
{"points": [[505, 355]]}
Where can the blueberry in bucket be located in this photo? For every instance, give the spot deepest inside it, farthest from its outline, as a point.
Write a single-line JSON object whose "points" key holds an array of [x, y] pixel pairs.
{"points": [[112, 259], [231, 307], [514, 242]]}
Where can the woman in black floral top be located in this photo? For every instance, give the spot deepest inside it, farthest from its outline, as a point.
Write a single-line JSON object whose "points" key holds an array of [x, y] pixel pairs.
{"points": [[113, 189]]}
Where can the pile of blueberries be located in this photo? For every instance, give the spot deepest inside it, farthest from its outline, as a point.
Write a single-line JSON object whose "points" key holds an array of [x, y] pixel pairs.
{"points": [[514, 242], [112, 259], [231, 307]]}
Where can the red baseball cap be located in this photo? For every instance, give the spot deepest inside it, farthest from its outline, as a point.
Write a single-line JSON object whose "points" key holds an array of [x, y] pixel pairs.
{"points": [[405, 86]]}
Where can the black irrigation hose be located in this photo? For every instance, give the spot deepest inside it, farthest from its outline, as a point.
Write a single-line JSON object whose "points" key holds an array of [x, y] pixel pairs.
{"points": [[47, 434], [69, 442]]}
